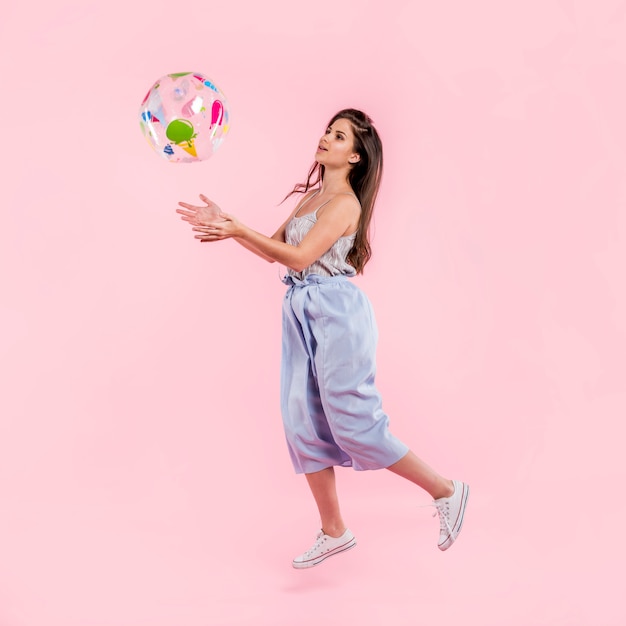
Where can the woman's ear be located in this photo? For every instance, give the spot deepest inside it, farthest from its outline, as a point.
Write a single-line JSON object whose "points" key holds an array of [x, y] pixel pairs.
{"points": [[355, 158]]}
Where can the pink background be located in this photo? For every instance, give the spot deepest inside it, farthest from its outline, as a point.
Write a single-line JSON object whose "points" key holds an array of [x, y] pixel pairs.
{"points": [[144, 480]]}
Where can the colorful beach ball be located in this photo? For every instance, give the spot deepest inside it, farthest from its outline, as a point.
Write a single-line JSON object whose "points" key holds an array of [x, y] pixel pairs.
{"points": [[184, 117]]}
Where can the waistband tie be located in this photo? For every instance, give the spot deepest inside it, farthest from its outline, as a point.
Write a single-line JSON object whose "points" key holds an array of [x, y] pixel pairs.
{"points": [[311, 279]]}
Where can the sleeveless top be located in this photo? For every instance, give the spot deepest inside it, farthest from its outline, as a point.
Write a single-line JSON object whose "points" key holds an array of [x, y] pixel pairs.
{"points": [[333, 262]]}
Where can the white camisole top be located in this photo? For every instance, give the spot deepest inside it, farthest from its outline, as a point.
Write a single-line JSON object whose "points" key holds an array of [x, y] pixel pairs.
{"points": [[333, 262]]}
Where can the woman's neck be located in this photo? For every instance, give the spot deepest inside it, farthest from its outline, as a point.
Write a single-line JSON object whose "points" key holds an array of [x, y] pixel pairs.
{"points": [[335, 181]]}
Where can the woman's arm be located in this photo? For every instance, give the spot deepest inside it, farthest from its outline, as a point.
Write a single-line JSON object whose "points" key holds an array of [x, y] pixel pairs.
{"points": [[203, 217], [200, 217], [338, 217], [279, 235], [250, 247]]}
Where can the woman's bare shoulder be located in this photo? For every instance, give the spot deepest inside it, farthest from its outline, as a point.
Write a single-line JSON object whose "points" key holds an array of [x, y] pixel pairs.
{"points": [[343, 202]]}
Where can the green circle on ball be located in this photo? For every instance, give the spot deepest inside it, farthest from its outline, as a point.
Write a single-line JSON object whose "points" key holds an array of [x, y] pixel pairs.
{"points": [[179, 130]]}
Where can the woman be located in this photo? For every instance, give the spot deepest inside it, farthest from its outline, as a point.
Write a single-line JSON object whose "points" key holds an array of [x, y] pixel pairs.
{"points": [[332, 412]]}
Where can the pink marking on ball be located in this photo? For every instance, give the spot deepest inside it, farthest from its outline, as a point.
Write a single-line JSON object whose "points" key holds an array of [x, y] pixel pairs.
{"points": [[217, 113], [187, 111]]}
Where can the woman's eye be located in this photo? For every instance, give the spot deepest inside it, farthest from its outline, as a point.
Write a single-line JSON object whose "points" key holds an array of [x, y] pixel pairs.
{"points": [[339, 136]]}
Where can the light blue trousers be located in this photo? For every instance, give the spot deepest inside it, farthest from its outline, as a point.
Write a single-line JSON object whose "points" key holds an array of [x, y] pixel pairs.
{"points": [[332, 411]]}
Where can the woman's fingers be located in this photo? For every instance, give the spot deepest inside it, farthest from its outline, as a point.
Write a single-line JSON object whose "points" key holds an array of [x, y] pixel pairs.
{"points": [[190, 220], [189, 207], [204, 228], [188, 210], [208, 235], [194, 215]]}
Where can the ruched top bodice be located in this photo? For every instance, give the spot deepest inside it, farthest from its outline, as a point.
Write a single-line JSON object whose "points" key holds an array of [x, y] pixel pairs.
{"points": [[334, 261]]}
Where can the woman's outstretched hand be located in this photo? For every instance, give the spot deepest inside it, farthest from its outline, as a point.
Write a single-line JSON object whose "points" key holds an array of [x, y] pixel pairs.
{"points": [[209, 221], [227, 226], [199, 215]]}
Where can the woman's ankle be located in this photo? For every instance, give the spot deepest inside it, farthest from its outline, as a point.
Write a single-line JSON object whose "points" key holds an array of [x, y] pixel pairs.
{"points": [[445, 491], [334, 530]]}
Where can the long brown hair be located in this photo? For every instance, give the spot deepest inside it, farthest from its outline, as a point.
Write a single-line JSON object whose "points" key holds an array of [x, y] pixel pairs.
{"points": [[364, 178]]}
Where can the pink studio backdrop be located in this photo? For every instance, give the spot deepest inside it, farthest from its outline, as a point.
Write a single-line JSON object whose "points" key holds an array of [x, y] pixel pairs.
{"points": [[144, 478]]}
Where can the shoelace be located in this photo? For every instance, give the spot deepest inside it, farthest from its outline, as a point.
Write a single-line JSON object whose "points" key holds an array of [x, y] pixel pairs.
{"points": [[318, 542], [443, 509]]}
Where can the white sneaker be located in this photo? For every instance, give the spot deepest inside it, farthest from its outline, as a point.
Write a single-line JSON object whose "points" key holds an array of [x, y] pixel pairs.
{"points": [[451, 511], [324, 547]]}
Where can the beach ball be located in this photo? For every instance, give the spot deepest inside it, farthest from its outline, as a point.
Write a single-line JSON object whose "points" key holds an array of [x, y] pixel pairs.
{"points": [[184, 117]]}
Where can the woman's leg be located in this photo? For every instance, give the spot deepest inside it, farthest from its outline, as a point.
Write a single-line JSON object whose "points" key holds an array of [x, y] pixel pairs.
{"points": [[334, 538], [450, 497], [414, 469], [324, 491]]}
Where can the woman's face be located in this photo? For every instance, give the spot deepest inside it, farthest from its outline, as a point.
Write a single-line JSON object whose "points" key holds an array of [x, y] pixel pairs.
{"points": [[336, 146]]}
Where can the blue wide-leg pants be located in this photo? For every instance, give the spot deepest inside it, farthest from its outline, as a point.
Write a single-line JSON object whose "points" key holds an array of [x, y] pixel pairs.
{"points": [[332, 411]]}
